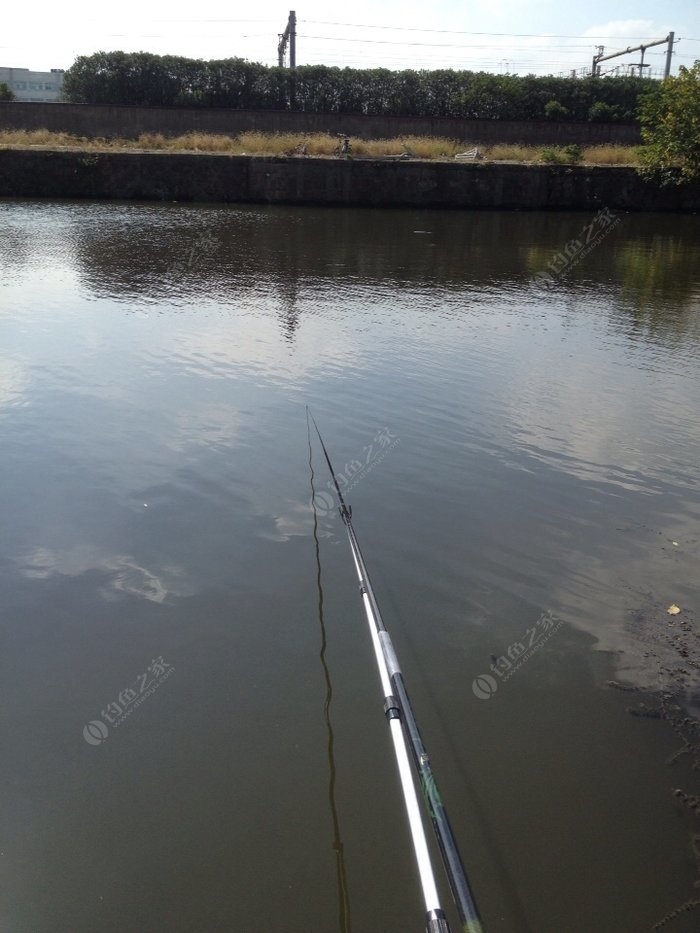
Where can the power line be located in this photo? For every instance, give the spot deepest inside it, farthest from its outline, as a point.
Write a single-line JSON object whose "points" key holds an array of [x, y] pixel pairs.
{"points": [[447, 45], [464, 65], [459, 64], [417, 64], [161, 20], [464, 32]]}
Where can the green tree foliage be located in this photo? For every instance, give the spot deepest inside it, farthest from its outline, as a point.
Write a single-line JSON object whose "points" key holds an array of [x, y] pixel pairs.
{"points": [[600, 112], [670, 118], [5, 92], [553, 110], [170, 81]]}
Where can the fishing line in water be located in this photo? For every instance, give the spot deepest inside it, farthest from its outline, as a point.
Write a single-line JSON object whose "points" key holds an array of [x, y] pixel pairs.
{"points": [[341, 874]]}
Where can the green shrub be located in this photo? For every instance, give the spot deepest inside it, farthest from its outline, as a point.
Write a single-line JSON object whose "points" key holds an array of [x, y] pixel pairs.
{"points": [[670, 117], [562, 155], [573, 153], [600, 112], [553, 110], [551, 155]]}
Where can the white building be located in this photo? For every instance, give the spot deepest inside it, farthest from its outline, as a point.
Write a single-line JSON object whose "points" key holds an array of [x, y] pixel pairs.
{"points": [[33, 85]]}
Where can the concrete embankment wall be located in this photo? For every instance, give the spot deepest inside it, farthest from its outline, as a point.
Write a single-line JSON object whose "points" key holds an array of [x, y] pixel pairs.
{"points": [[130, 122], [351, 182]]}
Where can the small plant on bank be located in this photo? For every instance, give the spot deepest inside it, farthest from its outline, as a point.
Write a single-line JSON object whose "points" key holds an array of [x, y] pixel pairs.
{"points": [[558, 155], [552, 155], [573, 153]]}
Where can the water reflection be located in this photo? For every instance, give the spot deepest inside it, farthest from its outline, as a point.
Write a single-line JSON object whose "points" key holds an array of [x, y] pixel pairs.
{"points": [[659, 281], [149, 252]]}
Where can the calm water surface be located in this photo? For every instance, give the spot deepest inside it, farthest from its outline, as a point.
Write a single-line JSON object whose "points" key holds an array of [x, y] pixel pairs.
{"points": [[533, 447]]}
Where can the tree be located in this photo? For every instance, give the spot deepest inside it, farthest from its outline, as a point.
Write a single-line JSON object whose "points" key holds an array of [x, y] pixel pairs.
{"points": [[141, 78], [553, 110], [600, 112], [670, 118], [5, 92]]}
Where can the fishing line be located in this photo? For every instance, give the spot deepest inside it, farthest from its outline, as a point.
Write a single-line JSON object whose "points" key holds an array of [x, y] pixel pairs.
{"points": [[341, 874]]}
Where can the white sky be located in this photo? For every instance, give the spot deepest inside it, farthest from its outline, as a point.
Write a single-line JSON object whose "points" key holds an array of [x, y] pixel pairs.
{"points": [[540, 36]]}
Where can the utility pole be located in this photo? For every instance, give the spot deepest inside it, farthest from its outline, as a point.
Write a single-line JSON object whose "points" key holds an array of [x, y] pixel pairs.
{"points": [[292, 26], [669, 53], [288, 37], [641, 63], [594, 68]]}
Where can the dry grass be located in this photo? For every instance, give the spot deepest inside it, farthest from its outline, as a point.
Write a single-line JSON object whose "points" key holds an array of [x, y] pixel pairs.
{"points": [[254, 143], [22, 138], [611, 155], [190, 142], [148, 141], [591, 155], [320, 144], [317, 144], [418, 147], [505, 152]]}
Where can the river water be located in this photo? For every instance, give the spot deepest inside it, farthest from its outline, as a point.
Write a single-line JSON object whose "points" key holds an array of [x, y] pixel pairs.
{"points": [[192, 725]]}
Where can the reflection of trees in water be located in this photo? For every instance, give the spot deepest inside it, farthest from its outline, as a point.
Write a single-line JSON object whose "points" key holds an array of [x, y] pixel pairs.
{"points": [[647, 268], [182, 254], [659, 283], [186, 256]]}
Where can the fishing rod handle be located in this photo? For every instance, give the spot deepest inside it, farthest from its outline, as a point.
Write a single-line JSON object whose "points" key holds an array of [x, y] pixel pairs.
{"points": [[436, 922]]}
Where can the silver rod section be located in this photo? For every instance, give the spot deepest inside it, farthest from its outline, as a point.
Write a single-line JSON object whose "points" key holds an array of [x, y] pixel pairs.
{"points": [[398, 710], [420, 844], [457, 877]]}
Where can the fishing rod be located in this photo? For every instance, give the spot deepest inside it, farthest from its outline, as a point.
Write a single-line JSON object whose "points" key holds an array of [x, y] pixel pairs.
{"points": [[404, 730]]}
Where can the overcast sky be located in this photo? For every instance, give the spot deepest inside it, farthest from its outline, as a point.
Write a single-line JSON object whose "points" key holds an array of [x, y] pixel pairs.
{"points": [[537, 36]]}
